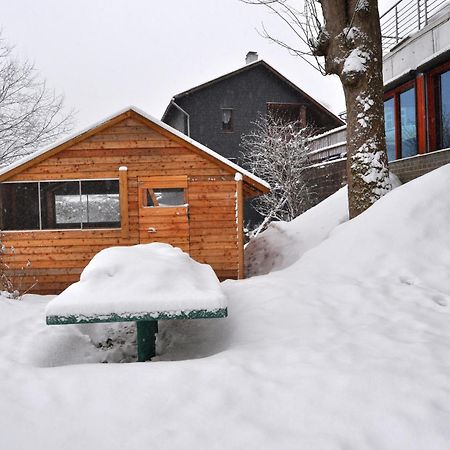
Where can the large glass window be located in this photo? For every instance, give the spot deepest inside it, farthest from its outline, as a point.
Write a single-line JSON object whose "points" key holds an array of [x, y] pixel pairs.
{"points": [[443, 87], [389, 124], [61, 204], [19, 206], [408, 128]]}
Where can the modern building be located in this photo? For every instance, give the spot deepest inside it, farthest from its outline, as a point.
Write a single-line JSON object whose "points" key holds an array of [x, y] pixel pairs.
{"points": [[416, 72]]}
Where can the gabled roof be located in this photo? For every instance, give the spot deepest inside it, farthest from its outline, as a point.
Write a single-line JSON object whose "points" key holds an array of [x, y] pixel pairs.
{"points": [[250, 66], [255, 183]]}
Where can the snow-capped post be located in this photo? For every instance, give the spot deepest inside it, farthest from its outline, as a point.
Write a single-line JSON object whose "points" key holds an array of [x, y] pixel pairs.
{"points": [[240, 223], [123, 197], [346, 33]]}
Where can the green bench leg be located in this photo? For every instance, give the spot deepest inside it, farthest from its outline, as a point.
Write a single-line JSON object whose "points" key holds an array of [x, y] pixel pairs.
{"points": [[146, 339]]}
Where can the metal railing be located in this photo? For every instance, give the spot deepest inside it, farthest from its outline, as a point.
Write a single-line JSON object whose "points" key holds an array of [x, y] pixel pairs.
{"points": [[407, 17]]}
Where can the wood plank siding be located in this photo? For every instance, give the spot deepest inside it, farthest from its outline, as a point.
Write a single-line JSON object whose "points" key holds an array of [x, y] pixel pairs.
{"points": [[54, 259]]}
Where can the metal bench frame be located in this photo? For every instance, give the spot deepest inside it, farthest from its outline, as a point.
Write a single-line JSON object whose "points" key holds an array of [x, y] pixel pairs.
{"points": [[146, 324]]}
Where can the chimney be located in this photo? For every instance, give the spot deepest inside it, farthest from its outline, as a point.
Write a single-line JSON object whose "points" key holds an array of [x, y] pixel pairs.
{"points": [[251, 57]]}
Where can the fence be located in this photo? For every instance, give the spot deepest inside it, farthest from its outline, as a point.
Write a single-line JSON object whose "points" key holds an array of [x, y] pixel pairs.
{"points": [[405, 18]]}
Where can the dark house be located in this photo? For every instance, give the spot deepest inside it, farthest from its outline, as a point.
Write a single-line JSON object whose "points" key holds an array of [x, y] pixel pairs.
{"points": [[219, 112]]}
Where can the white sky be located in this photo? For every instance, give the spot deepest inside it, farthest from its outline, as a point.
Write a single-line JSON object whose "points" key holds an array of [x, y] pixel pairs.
{"points": [[106, 54]]}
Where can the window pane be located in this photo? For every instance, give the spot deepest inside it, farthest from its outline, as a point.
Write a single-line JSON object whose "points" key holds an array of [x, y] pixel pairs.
{"points": [[61, 205], [408, 122], [444, 101], [165, 197], [227, 119], [19, 206], [100, 204], [389, 126]]}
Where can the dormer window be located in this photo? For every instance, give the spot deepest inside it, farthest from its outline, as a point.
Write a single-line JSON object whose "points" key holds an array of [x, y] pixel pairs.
{"points": [[227, 119]]}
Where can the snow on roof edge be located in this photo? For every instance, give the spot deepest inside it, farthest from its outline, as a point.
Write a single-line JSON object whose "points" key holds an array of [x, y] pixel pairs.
{"points": [[139, 111]]}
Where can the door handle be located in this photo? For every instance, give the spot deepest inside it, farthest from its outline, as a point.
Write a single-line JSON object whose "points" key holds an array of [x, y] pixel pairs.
{"points": [[151, 230]]}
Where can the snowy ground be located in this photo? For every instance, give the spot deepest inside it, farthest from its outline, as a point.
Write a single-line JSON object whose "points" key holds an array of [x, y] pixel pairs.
{"points": [[345, 344]]}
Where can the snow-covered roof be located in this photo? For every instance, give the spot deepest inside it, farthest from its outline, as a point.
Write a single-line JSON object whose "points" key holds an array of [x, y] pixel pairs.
{"points": [[247, 175]]}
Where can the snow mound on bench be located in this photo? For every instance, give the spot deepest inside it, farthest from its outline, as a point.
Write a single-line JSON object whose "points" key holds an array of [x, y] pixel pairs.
{"points": [[140, 279]]}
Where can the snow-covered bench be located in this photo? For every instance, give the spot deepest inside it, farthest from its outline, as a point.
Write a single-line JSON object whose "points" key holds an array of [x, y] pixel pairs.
{"points": [[144, 284]]}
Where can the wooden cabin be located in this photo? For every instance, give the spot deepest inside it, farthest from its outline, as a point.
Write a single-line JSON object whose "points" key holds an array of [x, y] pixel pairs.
{"points": [[129, 180]]}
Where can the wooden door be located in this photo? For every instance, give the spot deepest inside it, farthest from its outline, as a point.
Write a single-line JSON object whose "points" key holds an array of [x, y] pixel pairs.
{"points": [[163, 211]]}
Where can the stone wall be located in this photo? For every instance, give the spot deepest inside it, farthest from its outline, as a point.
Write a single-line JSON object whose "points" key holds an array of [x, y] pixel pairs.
{"points": [[326, 178]]}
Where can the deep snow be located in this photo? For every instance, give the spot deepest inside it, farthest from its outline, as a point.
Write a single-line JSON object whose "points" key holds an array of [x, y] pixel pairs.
{"points": [[346, 346]]}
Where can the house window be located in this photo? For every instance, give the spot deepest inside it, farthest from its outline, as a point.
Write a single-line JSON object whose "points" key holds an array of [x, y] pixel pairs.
{"points": [[389, 125], [166, 197], [400, 121], [74, 204], [408, 128], [227, 119], [443, 109]]}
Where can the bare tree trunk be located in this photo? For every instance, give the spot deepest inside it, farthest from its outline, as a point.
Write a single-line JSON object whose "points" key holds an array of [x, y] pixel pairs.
{"points": [[350, 41]]}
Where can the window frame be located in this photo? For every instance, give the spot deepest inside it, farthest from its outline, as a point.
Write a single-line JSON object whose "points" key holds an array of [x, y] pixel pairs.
{"points": [[40, 229], [155, 200], [395, 94], [433, 106], [169, 182]]}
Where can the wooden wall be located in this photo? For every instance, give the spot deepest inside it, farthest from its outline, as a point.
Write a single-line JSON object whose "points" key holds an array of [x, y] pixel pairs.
{"points": [[58, 257]]}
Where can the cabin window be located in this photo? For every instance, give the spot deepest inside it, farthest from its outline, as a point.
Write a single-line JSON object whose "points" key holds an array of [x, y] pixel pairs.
{"points": [[75, 204], [227, 119], [165, 197], [19, 206], [60, 204], [100, 204]]}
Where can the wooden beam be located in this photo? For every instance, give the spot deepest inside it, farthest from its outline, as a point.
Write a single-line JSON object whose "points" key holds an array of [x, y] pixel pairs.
{"points": [[123, 195], [421, 114], [240, 224]]}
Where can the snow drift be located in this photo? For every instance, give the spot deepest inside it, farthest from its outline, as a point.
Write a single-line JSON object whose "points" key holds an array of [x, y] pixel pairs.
{"points": [[347, 348]]}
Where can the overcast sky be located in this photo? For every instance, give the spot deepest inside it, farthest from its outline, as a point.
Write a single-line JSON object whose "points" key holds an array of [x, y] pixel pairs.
{"points": [[106, 54]]}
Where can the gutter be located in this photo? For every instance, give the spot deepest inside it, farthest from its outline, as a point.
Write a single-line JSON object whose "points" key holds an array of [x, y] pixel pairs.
{"points": [[188, 117]]}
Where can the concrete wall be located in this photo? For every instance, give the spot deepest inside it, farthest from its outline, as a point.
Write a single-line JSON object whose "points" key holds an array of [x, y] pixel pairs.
{"points": [[417, 49]]}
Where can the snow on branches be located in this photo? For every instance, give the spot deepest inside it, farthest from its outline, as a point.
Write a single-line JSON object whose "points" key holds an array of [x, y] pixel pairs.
{"points": [[277, 151]]}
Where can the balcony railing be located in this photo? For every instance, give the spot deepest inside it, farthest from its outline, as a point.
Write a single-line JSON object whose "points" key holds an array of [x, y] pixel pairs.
{"points": [[405, 18]]}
